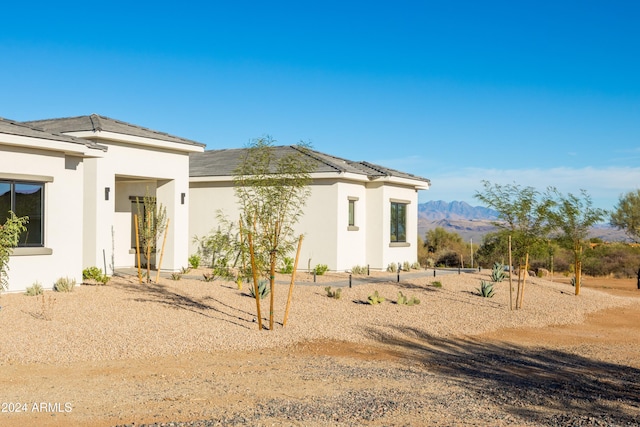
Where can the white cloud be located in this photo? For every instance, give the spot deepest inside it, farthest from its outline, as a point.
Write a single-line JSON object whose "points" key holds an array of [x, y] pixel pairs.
{"points": [[604, 185]]}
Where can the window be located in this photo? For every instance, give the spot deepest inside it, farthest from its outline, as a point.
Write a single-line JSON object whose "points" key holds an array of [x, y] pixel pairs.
{"points": [[25, 199], [352, 214], [398, 222]]}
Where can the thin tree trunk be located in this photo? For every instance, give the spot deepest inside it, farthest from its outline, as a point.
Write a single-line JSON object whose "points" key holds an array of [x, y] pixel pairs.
{"points": [[164, 242], [519, 282], [293, 278], [272, 283], [510, 277], [524, 277], [135, 220], [578, 267], [255, 280]]}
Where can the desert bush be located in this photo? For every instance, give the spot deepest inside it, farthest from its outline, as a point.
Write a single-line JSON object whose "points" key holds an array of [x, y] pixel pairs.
{"points": [[406, 266], [403, 300], [263, 289], [64, 284], [320, 269], [359, 269], [95, 274], [486, 289], [392, 268], [176, 276], [287, 265], [436, 284], [194, 260], [375, 298], [34, 290], [333, 294], [416, 266]]}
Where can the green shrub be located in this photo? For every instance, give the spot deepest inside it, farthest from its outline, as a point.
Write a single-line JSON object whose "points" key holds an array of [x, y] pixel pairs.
{"points": [[263, 289], [436, 284], [35, 289], [403, 300], [64, 284], [320, 269], [333, 294], [95, 274], [375, 298], [406, 266], [194, 261], [416, 266], [287, 266], [486, 289], [176, 276], [392, 268]]}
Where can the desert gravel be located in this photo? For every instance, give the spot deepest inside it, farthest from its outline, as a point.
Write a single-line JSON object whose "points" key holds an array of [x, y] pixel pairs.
{"points": [[125, 319]]}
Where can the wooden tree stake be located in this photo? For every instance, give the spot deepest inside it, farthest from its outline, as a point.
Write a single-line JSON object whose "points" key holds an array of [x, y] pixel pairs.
{"points": [[293, 278], [255, 280], [164, 241]]}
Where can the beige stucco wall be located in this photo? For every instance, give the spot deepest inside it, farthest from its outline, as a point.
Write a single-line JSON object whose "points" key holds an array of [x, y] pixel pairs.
{"points": [[63, 221], [130, 171], [327, 237]]}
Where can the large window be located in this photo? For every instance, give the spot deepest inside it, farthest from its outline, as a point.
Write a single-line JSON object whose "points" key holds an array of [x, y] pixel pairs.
{"points": [[398, 222], [25, 199]]}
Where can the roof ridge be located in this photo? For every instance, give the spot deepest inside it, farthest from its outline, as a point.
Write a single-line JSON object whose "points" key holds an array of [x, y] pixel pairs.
{"points": [[95, 122], [319, 157], [75, 139]]}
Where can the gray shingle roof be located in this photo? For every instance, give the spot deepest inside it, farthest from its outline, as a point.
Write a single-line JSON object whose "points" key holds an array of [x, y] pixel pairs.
{"points": [[224, 162], [11, 127], [95, 122]]}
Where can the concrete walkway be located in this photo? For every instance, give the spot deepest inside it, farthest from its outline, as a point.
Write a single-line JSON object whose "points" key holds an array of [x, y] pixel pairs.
{"points": [[356, 279]]}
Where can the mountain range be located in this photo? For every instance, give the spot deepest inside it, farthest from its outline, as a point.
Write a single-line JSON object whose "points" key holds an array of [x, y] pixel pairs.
{"points": [[474, 222]]}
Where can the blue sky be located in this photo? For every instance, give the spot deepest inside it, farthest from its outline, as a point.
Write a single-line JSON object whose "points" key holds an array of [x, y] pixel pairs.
{"points": [[533, 92]]}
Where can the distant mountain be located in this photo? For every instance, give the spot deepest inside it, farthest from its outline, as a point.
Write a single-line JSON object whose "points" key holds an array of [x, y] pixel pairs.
{"points": [[434, 211], [474, 222]]}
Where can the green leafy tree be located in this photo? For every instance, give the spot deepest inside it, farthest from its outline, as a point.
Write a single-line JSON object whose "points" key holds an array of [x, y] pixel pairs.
{"points": [[272, 187], [524, 212], [626, 214], [572, 216], [9, 236]]}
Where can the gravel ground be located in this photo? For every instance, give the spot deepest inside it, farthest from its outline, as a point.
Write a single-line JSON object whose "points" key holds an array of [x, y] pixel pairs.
{"points": [[437, 372], [127, 320]]}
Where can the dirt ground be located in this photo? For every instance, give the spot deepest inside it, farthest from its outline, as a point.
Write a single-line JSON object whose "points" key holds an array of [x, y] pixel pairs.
{"points": [[229, 384]]}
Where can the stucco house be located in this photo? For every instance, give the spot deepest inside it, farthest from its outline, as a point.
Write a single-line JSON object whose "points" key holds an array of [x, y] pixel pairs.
{"points": [[78, 180], [358, 213]]}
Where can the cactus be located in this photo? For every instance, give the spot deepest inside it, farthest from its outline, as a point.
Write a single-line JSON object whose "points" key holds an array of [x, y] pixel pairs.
{"points": [[375, 298], [497, 273], [333, 294], [486, 289], [403, 300]]}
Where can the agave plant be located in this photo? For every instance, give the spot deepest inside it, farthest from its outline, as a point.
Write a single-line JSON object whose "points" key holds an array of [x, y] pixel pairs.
{"points": [[263, 290], [497, 273], [486, 289]]}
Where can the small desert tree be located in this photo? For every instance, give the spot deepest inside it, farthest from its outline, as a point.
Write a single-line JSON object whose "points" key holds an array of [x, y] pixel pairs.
{"points": [[272, 186], [9, 236], [626, 214], [152, 223], [524, 212], [572, 217]]}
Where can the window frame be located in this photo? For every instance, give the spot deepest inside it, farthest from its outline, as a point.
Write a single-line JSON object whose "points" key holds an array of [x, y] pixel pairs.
{"points": [[12, 182], [351, 217], [397, 218]]}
